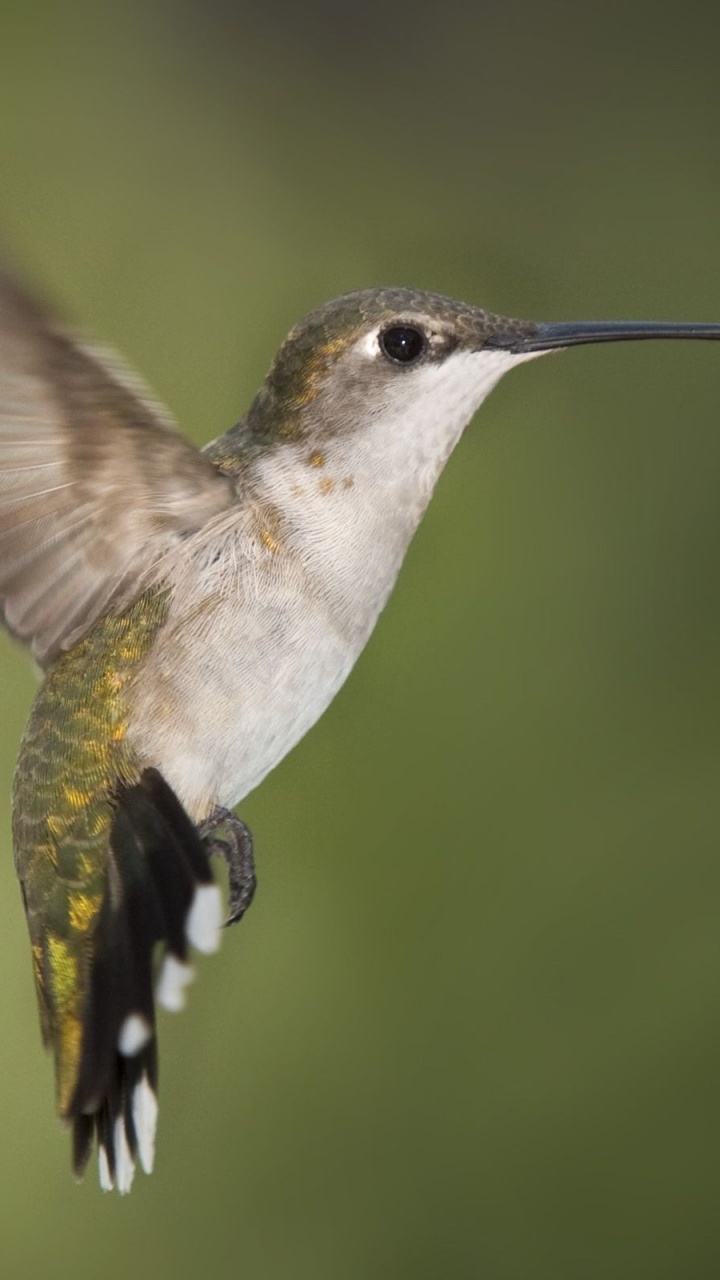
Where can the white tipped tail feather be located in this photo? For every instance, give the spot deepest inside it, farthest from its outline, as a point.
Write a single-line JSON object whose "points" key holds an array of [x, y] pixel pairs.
{"points": [[145, 1114], [204, 921], [135, 1033], [174, 977], [168, 903], [124, 1163], [143, 1122]]}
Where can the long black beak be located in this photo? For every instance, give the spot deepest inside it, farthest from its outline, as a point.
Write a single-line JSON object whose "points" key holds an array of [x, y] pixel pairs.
{"points": [[551, 336]]}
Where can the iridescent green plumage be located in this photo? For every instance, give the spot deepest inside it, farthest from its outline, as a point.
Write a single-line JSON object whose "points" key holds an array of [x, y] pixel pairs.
{"points": [[73, 758]]}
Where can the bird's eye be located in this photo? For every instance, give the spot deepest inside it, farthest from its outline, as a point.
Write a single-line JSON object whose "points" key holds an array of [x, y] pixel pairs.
{"points": [[402, 343]]}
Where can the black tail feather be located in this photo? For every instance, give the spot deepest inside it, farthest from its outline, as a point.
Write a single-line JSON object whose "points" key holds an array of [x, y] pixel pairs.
{"points": [[157, 863], [83, 1133], [186, 834]]}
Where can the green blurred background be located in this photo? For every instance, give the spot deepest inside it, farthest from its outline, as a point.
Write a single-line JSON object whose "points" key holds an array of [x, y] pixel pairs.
{"points": [[471, 1027]]}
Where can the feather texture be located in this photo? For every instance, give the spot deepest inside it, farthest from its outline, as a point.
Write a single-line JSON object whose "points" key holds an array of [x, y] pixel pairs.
{"points": [[96, 484]]}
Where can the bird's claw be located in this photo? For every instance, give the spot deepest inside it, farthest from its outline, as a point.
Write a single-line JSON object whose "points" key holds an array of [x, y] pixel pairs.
{"points": [[237, 851]]}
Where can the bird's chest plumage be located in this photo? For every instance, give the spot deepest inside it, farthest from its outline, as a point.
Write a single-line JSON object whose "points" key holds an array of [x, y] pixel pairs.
{"points": [[219, 710], [261, 633]]}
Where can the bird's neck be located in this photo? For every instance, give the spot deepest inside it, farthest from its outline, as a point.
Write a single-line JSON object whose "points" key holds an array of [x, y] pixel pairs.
{"points": [[345, 497], [347, 510]]}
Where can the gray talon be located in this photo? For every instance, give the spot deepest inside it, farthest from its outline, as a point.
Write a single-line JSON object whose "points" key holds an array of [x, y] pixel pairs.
{"points": [[237, 851]]}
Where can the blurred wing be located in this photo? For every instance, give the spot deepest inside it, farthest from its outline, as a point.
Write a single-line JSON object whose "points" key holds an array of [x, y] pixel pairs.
{"points": [[95, 481]]}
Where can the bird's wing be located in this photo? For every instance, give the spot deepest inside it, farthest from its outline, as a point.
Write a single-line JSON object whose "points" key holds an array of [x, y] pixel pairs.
{"points": [[95, 480]]}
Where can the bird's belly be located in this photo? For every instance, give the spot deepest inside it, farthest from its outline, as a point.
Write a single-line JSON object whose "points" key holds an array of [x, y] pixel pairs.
{"points": [[216, 709]]}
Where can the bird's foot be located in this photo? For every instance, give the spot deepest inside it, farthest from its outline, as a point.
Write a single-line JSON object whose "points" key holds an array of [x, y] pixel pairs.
{"points": [[237, 851]]}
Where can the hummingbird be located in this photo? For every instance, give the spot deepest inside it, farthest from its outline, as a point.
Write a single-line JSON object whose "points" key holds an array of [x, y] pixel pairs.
{"points": [[194, 611]]}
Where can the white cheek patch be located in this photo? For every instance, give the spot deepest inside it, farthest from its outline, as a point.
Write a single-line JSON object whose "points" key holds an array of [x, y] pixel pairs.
{"points": [[463, 380], [475, 371], [430, 408]]}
